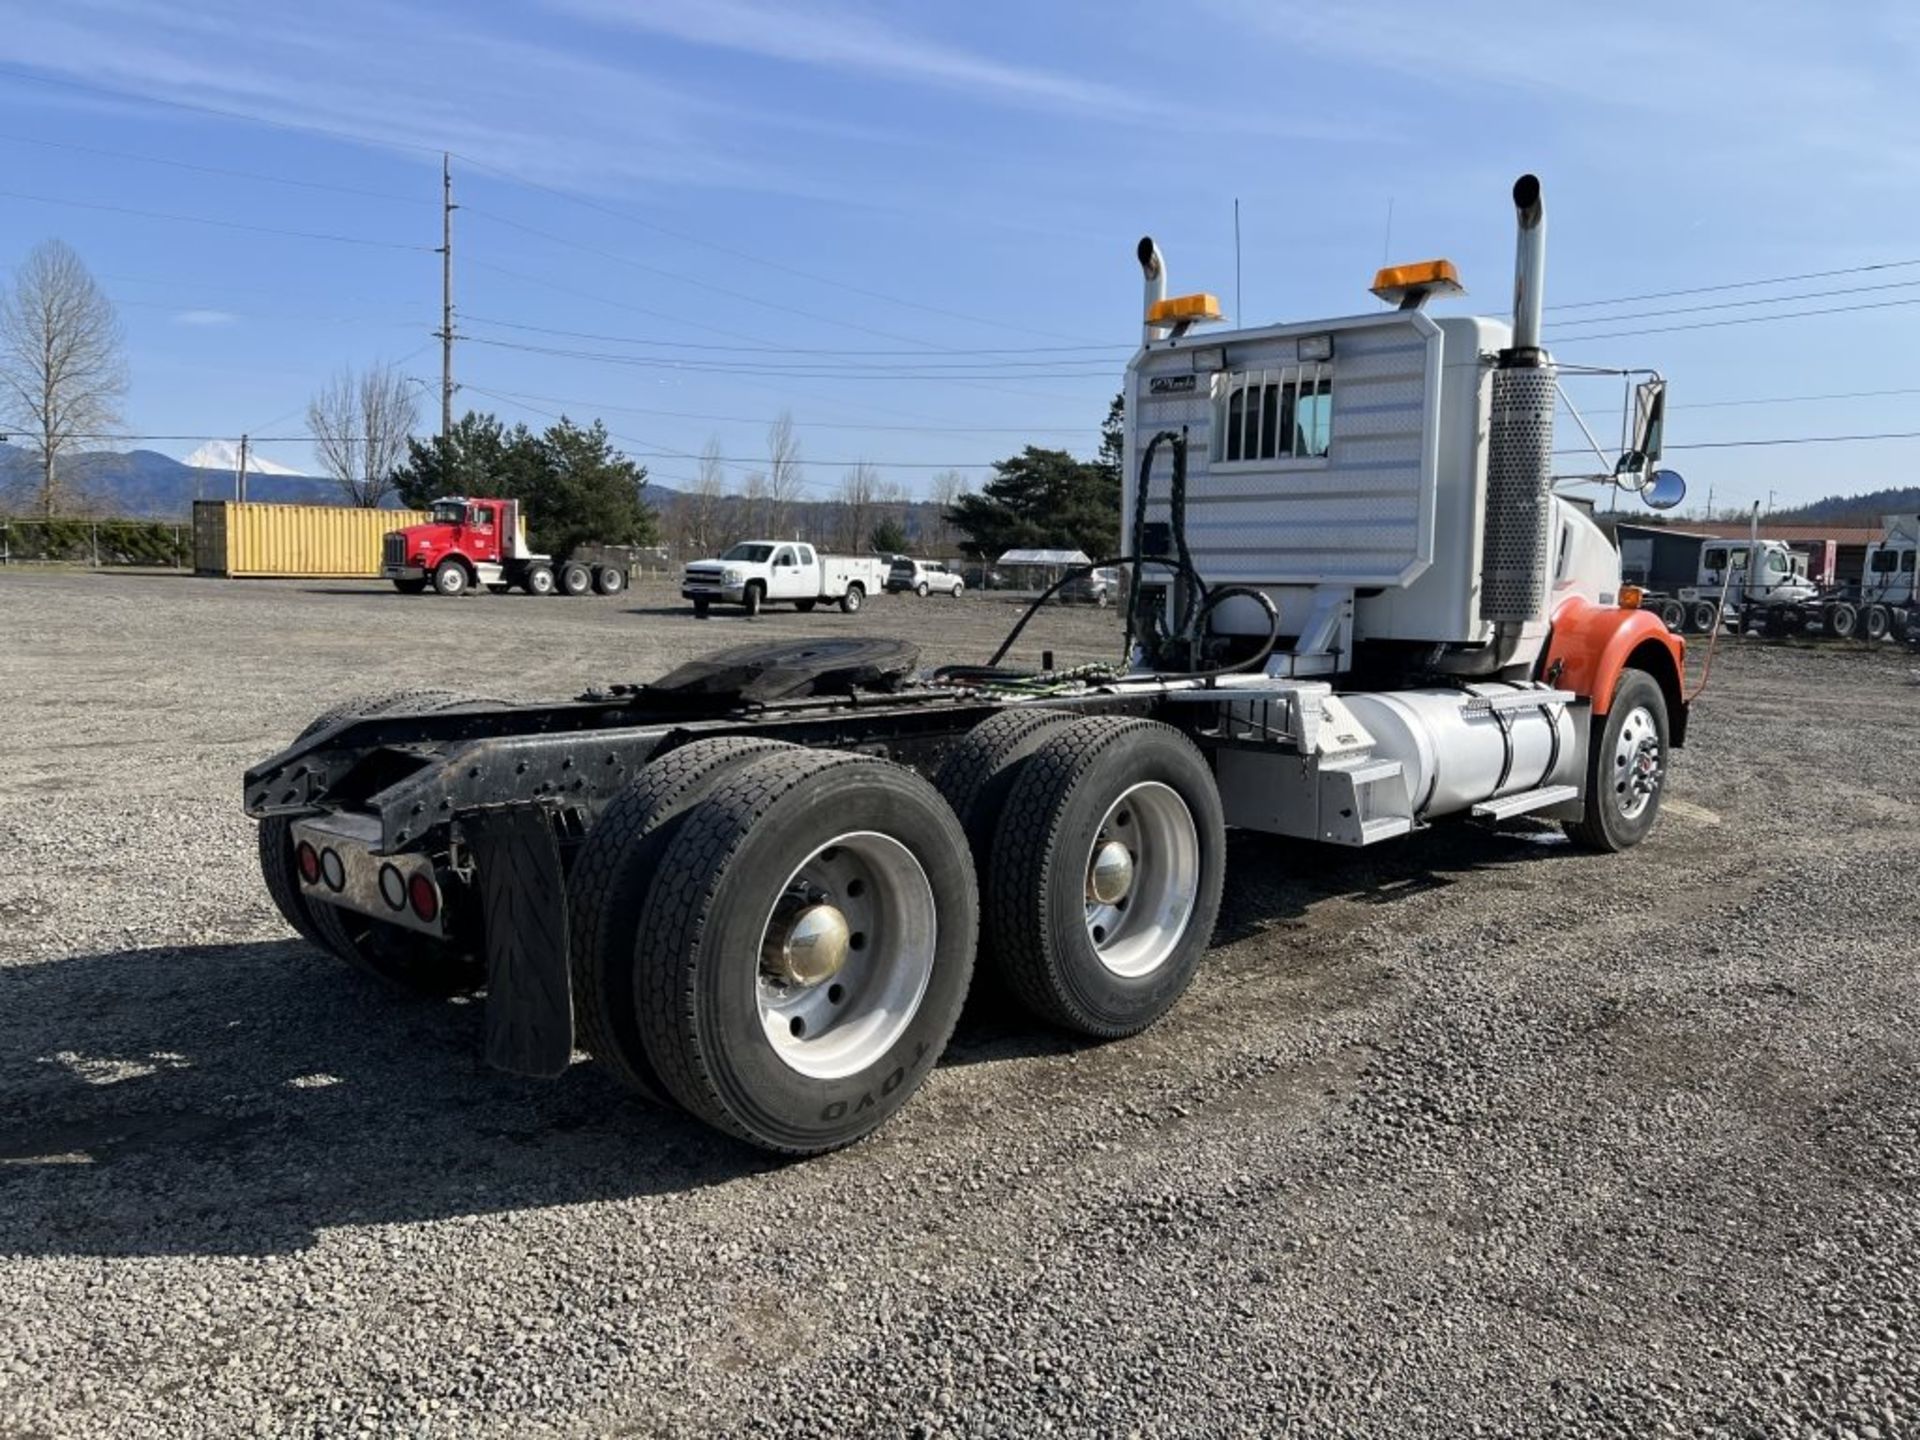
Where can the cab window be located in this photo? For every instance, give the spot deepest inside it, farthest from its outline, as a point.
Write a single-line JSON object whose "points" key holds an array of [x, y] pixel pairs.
{"points": [[783, 557], [482, 515], [806, 554]]}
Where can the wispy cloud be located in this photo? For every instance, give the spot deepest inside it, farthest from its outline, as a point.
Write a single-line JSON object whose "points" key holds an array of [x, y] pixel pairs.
{"points": [[855, 40], [205, 317], [386, 77], [1751, 79]]}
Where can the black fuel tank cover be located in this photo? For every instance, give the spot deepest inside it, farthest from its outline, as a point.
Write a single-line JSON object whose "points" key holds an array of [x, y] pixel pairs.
{"points": [[792, 669]]}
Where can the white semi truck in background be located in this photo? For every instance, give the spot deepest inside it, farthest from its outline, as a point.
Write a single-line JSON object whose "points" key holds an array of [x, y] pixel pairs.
{"points": [[757, 887], [1764, 584]]}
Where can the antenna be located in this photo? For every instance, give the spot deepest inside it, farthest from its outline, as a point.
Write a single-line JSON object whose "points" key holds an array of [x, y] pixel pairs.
{"points": [[1386, 241], [1239, 310]]}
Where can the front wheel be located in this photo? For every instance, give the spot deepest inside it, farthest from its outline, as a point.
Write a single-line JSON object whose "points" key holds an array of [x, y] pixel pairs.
{"points": [[958, 586], [700, 608], [804, 953], [450, 578], [1626, 766], [855, 597], [756, 596]]}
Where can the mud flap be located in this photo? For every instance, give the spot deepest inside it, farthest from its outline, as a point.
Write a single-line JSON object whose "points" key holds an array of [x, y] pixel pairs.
{"points": [[523, 897]]}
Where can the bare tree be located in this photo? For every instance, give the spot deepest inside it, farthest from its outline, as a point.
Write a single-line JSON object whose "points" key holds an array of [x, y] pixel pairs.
{"points": [[701, 507], [756, 507], [948, 486], [62, 373], [859, 492], [360, 424], [783, 478]]}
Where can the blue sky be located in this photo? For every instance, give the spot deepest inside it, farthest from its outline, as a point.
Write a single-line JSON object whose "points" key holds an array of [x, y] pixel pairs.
{"points": [[787, 185]]}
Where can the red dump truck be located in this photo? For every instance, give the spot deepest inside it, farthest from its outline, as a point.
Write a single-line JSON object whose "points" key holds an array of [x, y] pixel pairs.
{"points": [[472, 541]]}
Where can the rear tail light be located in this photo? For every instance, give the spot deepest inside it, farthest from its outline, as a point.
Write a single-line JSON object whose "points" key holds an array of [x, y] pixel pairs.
{"points": [[308, 860], [424, 896], [393, 887], [333, 870]]}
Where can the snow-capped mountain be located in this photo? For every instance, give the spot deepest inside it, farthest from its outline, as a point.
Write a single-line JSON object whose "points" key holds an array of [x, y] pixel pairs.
{"points": [[225, 455]]}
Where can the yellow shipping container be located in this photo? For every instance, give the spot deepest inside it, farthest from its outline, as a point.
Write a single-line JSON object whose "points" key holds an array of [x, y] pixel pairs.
{"points": [[242, 538]]}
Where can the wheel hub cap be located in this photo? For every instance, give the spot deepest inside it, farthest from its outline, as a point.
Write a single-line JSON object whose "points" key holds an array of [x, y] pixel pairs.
{"points": [[809, 948], [1110, 876]]}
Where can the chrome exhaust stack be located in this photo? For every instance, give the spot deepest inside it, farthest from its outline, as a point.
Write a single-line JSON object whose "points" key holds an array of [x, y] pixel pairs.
{"points": [[1154, 268], [1529, 263], [1513, 562]]}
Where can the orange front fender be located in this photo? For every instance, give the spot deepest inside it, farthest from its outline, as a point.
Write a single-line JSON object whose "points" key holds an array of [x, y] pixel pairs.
{"points": [[1591, 644]]}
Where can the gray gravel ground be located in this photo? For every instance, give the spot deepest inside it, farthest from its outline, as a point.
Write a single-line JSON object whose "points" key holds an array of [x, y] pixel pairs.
{"points": [[1472, 1134]]}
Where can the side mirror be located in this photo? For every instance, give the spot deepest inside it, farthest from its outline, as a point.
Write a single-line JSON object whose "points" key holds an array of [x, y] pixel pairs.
{"points": [[1649, 429], [1664, 490]]}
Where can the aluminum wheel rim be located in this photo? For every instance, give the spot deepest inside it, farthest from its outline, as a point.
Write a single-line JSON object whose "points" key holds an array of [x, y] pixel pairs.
{"points": [[1136, 934], [1636, 763], [840, 1025]]}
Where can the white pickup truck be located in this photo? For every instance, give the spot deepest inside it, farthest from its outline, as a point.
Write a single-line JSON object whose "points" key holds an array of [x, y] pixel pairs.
{"points": [[756, 573]]}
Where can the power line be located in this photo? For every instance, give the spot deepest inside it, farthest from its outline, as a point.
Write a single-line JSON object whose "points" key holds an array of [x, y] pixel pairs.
{"points": [[679, 278], [1740, 320], [1737, 285], [217, 170], [1738, 304], [807, 424], [794, 349], [752, 259], [219, 224], [816, 372], [1794, 399], [295, 127]]}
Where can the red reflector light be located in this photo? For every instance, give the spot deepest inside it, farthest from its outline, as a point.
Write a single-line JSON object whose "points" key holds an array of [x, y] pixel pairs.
{"points": [[308, 859], [424, 897]]}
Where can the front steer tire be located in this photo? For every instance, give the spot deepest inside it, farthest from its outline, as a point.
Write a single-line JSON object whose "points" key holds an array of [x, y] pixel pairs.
{"points": [[617, 865], [703, 931], [450, 578], [1105, 970], [1617, 818]]}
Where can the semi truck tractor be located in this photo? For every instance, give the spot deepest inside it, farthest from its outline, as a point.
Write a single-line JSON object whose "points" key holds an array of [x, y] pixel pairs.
{"points": [[758, 887], [1764, 584], [471, 541]]}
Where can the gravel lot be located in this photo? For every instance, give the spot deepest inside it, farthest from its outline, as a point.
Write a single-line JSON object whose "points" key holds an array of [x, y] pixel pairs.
{"points": [[1472, 1134]]}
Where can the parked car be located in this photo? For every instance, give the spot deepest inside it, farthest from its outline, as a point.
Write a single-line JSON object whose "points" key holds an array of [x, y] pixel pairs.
{"points": [[1096, 587], [923, 577]]}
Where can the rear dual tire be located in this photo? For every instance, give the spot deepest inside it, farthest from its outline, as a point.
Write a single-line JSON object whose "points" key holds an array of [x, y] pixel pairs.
{"points": [[718, 873]]}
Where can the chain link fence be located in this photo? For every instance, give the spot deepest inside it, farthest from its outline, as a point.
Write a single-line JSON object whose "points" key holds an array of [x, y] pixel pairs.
{"points": [[149, 544]]}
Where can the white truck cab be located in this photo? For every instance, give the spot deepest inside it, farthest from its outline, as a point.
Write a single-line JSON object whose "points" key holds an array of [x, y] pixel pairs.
{"points": [[1891, 562], [756, 573], [1782, 578]]}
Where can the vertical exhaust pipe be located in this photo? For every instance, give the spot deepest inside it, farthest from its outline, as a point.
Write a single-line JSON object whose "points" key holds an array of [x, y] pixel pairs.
{"points": [[1515, 544], [1155, 269], [1529, 264]]}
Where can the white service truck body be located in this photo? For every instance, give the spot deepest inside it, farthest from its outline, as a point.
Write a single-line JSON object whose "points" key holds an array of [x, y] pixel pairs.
{"points": [[756, 573]]}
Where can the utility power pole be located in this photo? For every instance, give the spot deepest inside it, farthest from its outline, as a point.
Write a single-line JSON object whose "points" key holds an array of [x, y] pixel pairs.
{"points": [[446, 295], [240, 472]]}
